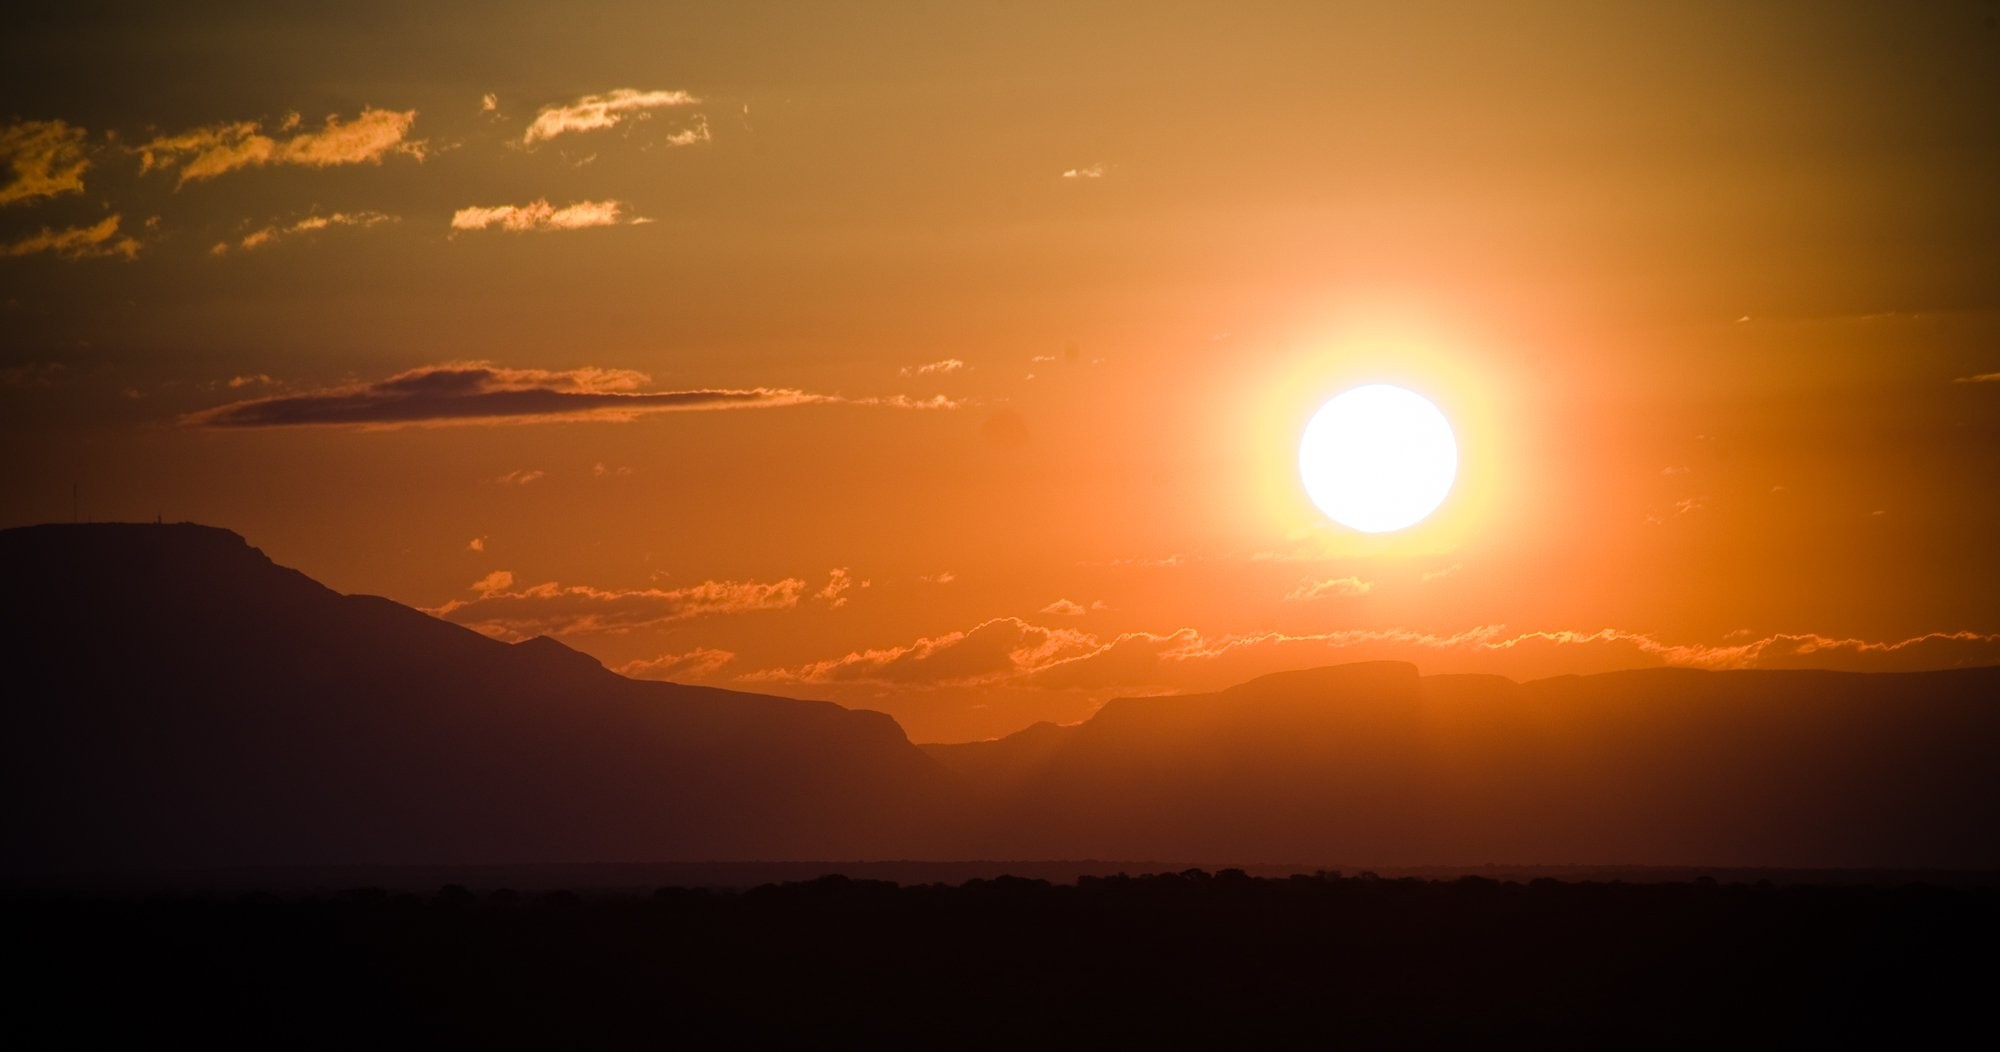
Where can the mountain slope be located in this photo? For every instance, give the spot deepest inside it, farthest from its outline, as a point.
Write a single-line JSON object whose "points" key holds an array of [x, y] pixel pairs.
{"points": [[1373, 764], [180, 700]]}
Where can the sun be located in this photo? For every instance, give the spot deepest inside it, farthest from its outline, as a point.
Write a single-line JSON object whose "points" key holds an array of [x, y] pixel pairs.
{"points": [[1378, 458]]}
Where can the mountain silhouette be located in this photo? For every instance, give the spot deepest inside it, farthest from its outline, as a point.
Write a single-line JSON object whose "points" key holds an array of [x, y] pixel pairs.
{"points": [[1372, 763], [177, 700]]}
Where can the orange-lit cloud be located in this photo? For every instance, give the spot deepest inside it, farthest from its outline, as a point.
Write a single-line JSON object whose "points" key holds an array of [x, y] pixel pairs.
{"points": [[597, 112], [1979, 378], [1004, 648], [835, 592], [266, 235], [551, 609], [699, 663], [1092, 171], [204, 153], [479, 392], [1332, 587], [1012, 652], [1065, 608], [42, 159], [948, 365], [77, 242], [692, 134], [540, 215]]}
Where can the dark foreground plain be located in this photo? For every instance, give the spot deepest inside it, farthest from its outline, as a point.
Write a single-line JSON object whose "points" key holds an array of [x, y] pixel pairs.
{"points": [[1175, 960]]}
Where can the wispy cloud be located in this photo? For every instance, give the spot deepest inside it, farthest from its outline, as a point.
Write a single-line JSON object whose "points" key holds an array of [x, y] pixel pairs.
{"points": [[1092, 171], [947, 365], [597, 112], [43, 159], [1001, 649], [1979, 378], [204, 153], [1333, 587], [483, 393], [694, 133], [699, 663], [78, 242], [1065, 608], [521, 477], [540, 215], [265, 236], [1013, 652], [550, 609]]}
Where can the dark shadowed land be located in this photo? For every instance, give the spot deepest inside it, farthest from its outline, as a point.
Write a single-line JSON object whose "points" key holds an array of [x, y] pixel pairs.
{"points": [[179, 703], [206, 754], [1223, 958]]}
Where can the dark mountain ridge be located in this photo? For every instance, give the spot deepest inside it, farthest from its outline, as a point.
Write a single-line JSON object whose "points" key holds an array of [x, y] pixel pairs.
{"points": [[177, 700], [181, 700]]}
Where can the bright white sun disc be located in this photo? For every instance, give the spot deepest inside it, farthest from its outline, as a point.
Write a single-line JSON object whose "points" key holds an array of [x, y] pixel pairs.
{"points": [[1378, 458]]}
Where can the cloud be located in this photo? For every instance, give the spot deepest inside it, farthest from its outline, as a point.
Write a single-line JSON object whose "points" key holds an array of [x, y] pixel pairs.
{"points": [[42, 159], [946, 577], [204, 153], [1065, 608], [692, 134], [699, 663], [1443, 572], [540, 215], [1012, 652], [1309, 589], [477, 544], [266, 235], [494, 583], [596, 112], [550, 609], [1094, 171], [838, 582], [1002, 649], [518, 477], [489, 102], [77, 242], [1979, 378], [483, 393], [948, 365]]}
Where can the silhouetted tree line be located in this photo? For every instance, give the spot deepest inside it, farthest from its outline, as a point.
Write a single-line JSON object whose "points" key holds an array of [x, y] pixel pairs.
{"points": [[1109, 961]]}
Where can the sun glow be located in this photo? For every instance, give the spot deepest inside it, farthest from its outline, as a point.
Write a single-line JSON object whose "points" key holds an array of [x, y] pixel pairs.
{"points": [[1378, 458]]}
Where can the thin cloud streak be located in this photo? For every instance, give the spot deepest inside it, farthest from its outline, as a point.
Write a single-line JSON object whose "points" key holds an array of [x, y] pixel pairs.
{"points": [[481, 393], [598, 112], [79, 242], [205, 153], [268, 235], [539, 215]]}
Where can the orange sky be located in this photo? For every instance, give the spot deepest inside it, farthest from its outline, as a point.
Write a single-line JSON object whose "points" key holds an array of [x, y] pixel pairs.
{"points": [[950, 360]]}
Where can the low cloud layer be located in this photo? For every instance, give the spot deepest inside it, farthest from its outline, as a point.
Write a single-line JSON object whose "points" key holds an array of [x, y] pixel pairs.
{"points": [[204, 153], [598, 112], [480, 392], [699, 663], [41, 159], [539, 215], [1013, 652], [550, 609], [97, 241]]}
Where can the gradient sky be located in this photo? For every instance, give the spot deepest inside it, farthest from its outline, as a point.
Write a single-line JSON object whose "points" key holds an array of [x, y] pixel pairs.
{"points": [[950, 360]]}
